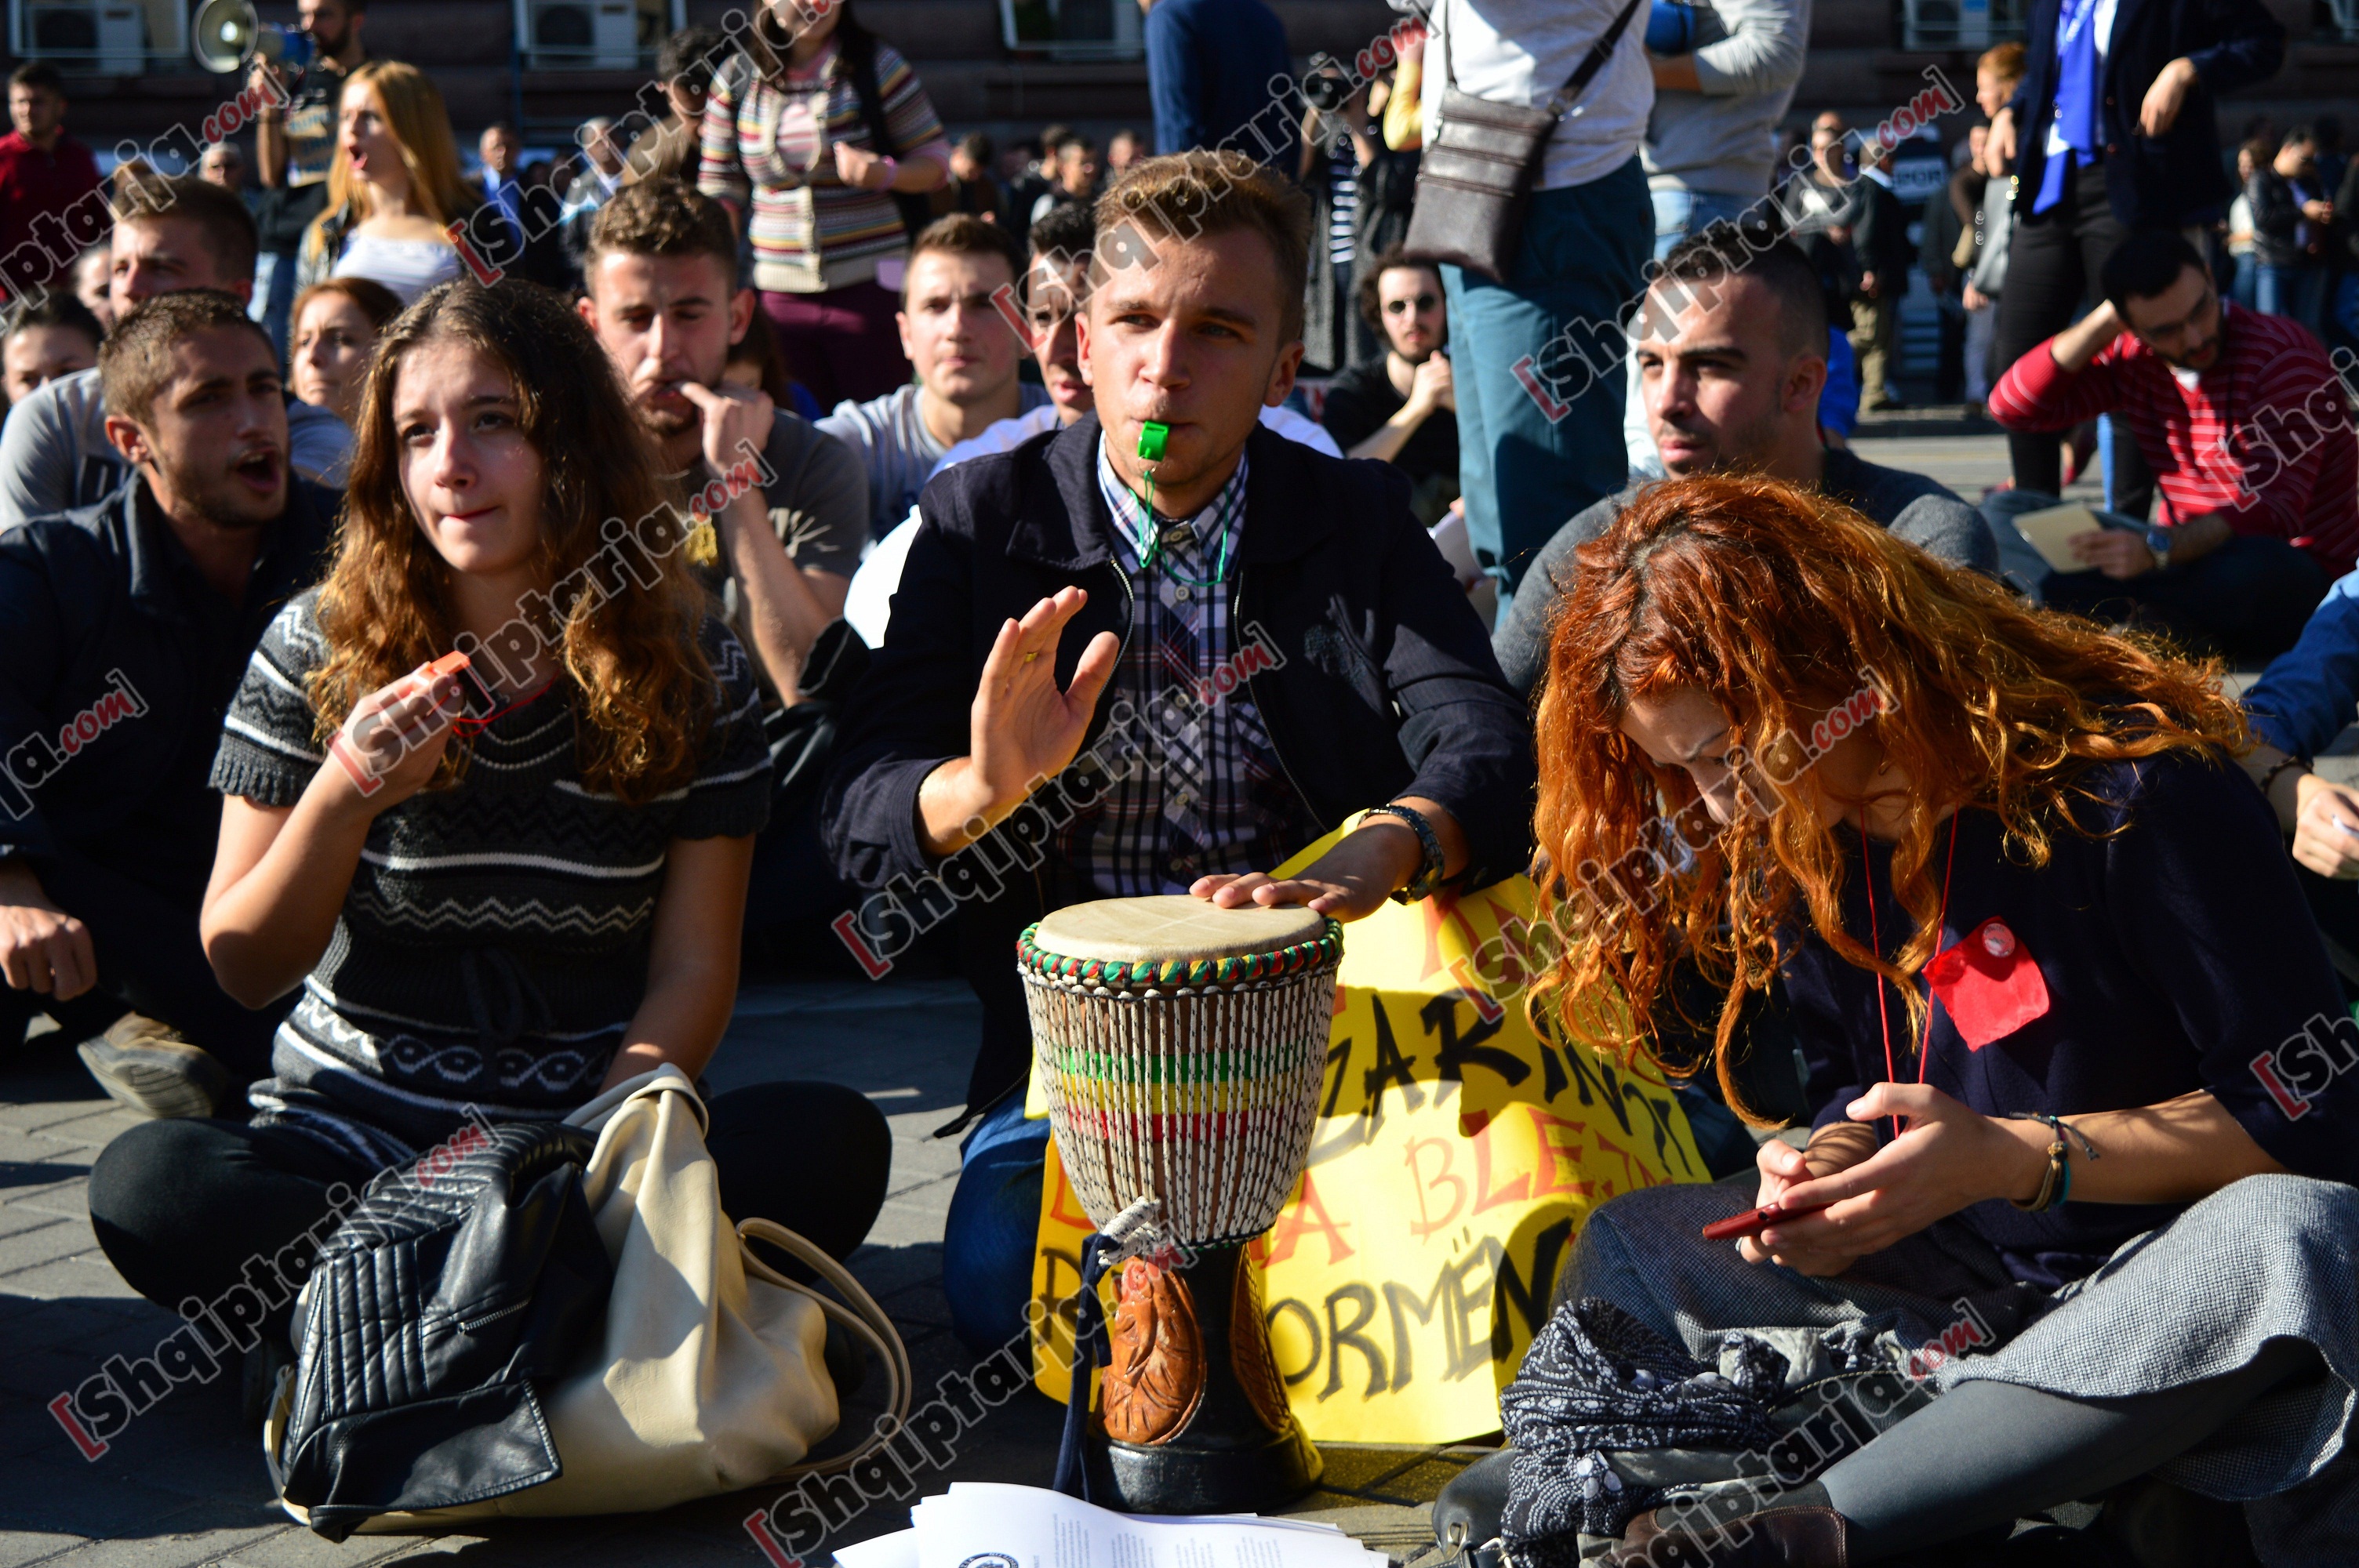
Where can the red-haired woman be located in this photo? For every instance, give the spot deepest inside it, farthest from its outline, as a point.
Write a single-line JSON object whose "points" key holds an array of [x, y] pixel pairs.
{"points": [[2105, 1143]]}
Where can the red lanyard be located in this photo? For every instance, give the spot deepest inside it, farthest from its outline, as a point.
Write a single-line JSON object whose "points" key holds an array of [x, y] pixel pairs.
{"points": [[466, 724], [1883, 1013]]}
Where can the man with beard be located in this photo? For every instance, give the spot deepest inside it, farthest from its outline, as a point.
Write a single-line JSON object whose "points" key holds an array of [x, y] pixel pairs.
{"points": [[1730, 349], [2248, 430], [295, 141], [124, 628], [662, 297]]}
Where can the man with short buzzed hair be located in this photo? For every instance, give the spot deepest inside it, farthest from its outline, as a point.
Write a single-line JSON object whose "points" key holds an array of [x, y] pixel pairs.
{"points": [[170, 233], [124, 628], [1730, 349]]}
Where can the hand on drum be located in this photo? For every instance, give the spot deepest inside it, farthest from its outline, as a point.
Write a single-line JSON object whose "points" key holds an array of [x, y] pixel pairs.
{"points": [[1352, 880], [1948, 1157]]}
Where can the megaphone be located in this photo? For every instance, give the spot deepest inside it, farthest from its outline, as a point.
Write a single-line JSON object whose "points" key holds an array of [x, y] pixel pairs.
{"points": [[225, 34]]}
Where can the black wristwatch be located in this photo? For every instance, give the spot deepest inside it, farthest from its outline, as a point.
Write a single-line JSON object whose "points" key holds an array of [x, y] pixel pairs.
{"points": [[1428, 875]]}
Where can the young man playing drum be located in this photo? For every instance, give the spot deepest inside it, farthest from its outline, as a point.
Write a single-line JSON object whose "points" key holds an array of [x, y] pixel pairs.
{"points": [[1185, 666]]}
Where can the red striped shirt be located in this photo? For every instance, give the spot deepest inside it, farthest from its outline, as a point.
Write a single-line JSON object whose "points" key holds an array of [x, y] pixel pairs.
{"points": [[2265, 438]]}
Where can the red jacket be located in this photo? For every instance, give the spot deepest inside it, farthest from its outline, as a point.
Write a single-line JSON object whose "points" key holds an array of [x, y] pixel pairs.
{"points": [[51, 209], [2264, 437]]}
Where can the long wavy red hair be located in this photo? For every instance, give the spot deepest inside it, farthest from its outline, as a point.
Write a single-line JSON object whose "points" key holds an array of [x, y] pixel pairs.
{"points": [[1777, 604]]}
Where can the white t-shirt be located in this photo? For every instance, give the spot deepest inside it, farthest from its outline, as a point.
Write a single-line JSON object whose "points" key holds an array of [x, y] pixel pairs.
{"points": [[869, 604], [409, 267], [1521, 51]]}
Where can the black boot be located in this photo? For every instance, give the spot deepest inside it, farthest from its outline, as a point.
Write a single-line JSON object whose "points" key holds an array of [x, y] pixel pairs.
{"points": [[1466, 1516]]}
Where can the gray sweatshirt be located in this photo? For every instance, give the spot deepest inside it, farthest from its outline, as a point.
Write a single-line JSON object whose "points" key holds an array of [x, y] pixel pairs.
{"points": [[1915, 508], [1723, 139]]}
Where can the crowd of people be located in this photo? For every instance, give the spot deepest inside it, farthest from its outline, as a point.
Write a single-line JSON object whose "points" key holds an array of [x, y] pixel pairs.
{"points": [[450, 623]]}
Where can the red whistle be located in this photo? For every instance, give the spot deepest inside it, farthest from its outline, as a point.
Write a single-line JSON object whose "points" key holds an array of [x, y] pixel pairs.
{"points": [[1753, 1221], [448, 665]]}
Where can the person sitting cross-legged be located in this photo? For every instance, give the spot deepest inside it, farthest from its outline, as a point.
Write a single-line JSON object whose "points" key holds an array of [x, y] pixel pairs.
{"points": [[965, 351], [660, 280], [496, 891], [2080, 1080], [1055, 586], [1730, 346], [123, 627], [2248, 430]]}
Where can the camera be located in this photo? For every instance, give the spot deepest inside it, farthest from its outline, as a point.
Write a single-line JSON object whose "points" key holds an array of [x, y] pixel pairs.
{"points": [[1325, 88]]}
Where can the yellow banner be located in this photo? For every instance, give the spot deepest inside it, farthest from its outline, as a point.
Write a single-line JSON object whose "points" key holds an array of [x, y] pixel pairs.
{"points": [[1456, 1155]]}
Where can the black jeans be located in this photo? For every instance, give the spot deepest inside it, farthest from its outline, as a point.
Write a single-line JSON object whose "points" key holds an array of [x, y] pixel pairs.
{"points": [[2054, 262], [181, 1207], [2247, 599], [150, 961]]}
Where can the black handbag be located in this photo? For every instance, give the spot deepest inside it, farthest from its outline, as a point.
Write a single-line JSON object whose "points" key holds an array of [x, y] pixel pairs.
{"points": [[1475, 178]]}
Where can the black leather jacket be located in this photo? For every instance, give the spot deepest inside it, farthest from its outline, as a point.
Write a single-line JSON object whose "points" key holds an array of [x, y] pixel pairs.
{"points": [[450, 1286]]}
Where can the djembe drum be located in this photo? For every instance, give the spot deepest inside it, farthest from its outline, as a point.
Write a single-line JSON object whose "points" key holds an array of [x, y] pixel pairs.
{"points": [[1183, 1047]]}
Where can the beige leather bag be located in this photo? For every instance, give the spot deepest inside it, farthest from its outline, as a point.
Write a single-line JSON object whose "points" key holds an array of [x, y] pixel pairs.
{"points": [[707, 1375]]}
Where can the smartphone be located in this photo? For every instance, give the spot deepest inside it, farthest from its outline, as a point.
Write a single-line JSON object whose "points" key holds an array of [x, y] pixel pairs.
{"points": [[1754, 1221]]}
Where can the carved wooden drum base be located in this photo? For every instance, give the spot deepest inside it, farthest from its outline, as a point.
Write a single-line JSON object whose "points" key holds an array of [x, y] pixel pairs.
{"points": [[1191, 1412]]}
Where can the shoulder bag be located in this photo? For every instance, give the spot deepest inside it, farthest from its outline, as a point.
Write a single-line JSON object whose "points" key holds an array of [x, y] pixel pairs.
{"points": [[1476, 178]]}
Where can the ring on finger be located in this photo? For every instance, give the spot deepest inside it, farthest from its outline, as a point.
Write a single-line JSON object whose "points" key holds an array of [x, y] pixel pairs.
{"points": [[1032, 655]]}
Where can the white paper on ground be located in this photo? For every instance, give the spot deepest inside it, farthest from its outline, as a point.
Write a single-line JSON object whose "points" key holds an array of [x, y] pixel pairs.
{"points": [[1028, 1527], [898, 1549]]}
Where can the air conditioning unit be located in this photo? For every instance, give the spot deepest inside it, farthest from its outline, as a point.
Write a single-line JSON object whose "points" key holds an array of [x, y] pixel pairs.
{"points": [[601, 34], [109, 36]]}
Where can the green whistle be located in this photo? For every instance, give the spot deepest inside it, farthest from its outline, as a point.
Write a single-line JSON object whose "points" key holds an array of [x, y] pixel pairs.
{"points": [[1151, 437]]}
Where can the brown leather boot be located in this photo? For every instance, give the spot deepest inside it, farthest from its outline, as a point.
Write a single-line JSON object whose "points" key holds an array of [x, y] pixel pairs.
{"points": [[1774, 1537]]}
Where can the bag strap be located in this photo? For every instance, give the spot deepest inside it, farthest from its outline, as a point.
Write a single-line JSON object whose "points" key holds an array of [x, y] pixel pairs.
{"points": [[863, 1317], [1583, 75], [1595, 61]]}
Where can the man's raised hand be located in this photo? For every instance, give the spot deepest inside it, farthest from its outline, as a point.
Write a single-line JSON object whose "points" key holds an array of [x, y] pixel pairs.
{"points": [[1022, 726]]}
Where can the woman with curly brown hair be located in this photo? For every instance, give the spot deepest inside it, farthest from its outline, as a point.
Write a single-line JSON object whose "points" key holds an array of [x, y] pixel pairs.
{"points": [[2074, 1050], [503, 890]]}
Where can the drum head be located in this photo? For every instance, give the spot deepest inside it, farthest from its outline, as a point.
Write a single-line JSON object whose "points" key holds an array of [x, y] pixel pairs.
{"points": [[1172, 927]]}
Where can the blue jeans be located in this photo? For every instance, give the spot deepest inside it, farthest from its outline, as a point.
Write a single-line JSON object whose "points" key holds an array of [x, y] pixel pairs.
{"points": [[2248, 599], [1678, 213], [2296, 292], [1539, 374], [2345, 314], [993, 1221]]}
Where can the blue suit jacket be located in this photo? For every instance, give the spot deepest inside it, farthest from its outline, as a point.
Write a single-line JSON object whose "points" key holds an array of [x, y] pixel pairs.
{"points": [[2177, 179]]}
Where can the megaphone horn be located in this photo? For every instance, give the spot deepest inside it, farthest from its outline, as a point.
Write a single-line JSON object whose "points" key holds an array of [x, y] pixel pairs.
{"points": [[223, 34]]}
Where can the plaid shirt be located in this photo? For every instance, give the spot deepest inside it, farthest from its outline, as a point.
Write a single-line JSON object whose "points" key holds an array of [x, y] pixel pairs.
{"points": [[1220, 800]]}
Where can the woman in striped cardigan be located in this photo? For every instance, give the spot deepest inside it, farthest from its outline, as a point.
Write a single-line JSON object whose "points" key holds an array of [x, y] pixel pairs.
{"points": [[810, 133]]}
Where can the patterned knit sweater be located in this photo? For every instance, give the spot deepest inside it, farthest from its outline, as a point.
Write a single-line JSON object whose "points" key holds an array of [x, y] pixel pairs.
{"points": [[493, 943]]}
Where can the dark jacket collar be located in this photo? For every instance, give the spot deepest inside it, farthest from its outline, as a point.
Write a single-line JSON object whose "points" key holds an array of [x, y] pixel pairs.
{"points": [[159, 566], [1064, 523]]}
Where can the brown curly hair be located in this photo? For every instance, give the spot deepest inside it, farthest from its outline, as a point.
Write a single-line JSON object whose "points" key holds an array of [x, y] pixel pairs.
{"points": [[642, 690], [1776, 602]]}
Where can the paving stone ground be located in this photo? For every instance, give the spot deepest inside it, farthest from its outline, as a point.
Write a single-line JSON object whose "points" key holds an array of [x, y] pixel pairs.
{"points": [[185, 1484]]}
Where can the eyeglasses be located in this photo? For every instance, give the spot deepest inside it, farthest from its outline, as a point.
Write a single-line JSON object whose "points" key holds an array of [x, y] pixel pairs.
{"points": [[2170, 332], [1402, 307]]}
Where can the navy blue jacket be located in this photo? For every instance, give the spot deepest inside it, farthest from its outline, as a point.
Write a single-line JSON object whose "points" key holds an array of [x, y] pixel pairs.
{"points": [[103, 612], [1209, 66], [1387, 685], [2179, 955], [2179, 180]]}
